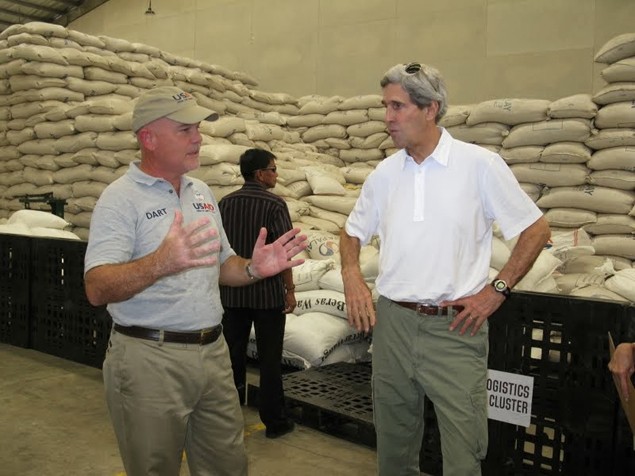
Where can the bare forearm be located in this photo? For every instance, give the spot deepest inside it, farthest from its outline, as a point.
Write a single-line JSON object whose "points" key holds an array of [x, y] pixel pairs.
{"points": [[349, 253], [119, 282], [233, 272], [359, 302], [530, 243]]}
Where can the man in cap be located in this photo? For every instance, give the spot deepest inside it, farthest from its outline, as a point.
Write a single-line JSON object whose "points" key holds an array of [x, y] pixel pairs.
{"points": [[265, 303], [157, 252]]}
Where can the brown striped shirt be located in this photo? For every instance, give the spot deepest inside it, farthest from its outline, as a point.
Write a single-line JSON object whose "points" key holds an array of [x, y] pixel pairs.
{"points": [[244, 212]]}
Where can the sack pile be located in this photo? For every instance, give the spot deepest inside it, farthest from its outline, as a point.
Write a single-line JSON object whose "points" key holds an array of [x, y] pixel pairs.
{"points": [[318, 333], [65, 127], [66, 101]]}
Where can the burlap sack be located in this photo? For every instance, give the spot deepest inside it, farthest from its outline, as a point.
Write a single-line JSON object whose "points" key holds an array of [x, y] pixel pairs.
{"points": [[620, 71], [617, 48], [578, 105], [612, 138], [566, 153], [618, 158], [508, 111], [588, 197], [615, 115]]}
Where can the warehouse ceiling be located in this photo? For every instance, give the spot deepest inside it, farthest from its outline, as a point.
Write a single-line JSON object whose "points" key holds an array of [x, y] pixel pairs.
{"points": [[61, 12]]}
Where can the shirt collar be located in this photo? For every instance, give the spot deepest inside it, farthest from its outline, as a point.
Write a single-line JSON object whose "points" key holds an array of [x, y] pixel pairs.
{"points": [[440, 154], [254, 184], [139, 176]]}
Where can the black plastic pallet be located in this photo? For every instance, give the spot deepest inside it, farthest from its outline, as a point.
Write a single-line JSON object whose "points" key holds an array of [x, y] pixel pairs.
{"points": [[335, 399]]}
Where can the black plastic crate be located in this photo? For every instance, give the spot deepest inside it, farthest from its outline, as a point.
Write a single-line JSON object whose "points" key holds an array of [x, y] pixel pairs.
{"points": [[624, 448], [63, 321], [563, 343], [15, 263]]}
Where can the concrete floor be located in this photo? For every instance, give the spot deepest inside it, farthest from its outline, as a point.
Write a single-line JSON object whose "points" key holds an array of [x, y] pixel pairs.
{"points": [[54, 421]]}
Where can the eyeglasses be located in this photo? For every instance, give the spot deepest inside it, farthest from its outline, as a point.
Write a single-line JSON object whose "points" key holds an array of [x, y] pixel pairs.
{"points": [[273, 169], [412, 68]]}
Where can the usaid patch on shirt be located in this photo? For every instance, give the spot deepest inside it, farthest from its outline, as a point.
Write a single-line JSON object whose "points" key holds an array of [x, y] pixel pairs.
{"points": [[201, 205]]}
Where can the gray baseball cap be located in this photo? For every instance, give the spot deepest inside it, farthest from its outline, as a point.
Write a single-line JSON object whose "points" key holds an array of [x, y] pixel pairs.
{"points": [[170, 102]]}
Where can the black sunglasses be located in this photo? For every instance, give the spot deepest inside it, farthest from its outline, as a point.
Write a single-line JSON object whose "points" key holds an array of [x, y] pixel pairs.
{"points": [[412, 68], [273, 169]]}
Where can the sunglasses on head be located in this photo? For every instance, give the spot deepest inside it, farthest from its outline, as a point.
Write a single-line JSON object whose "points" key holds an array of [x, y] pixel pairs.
{"points": [[412, 68]]}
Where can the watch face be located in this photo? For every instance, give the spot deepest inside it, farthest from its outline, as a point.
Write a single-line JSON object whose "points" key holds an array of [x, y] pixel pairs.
{"points": [[500, 285]]}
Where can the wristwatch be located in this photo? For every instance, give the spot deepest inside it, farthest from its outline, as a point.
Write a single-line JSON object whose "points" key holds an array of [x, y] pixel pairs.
{"points": [[500, 286], [250, 273]]}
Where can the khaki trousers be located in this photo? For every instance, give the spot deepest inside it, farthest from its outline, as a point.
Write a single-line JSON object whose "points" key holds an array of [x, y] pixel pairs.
{"points": [[164, 398], [415, 356]]}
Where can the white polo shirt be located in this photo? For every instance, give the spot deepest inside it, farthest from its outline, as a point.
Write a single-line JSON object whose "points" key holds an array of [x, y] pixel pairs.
{"points": [[434, 219]]}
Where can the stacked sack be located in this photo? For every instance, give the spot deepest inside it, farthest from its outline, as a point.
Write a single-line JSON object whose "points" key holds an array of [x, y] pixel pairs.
{"points": [[613, 160], [548, 147], [609, 273], [65, 127], [351, 129], [318, 333], [67, 98]]}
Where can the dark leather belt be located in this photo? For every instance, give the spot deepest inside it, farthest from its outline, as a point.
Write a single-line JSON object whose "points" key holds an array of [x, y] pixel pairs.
{"points": [[428, 310], [202, 337]]}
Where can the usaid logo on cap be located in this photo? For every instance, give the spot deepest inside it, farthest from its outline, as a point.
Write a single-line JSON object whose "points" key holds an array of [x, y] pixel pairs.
{"points": [[182, 96]]}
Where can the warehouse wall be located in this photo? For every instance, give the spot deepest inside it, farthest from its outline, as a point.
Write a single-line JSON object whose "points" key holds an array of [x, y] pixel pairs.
{"points": [[486, 48]]}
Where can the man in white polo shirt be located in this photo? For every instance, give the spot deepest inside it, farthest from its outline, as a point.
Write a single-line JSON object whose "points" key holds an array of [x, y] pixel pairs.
{"points": [[433, 204]]}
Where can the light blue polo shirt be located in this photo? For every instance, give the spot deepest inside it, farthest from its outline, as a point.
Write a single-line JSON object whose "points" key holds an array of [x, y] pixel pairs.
{"points": [[131, 219]]}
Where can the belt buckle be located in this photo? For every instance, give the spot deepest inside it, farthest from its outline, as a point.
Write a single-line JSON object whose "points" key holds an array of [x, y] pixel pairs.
{"points": [[423, 309], [427, 310], [203, 334], [207, 332]]}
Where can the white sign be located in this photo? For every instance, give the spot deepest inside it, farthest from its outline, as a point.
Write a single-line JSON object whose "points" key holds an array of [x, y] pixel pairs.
{"points": [[509, 397]]}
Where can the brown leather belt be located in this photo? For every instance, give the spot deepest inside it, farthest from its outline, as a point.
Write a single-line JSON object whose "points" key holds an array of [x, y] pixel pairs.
{"points": [[429, 310], [202, 337]]}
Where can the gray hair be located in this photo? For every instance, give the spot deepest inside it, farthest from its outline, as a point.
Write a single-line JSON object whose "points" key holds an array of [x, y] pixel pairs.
{"points": [[423, 85]]}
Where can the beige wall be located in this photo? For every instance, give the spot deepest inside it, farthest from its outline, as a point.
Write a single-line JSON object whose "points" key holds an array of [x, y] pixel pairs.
{"points": [[485, 48]]}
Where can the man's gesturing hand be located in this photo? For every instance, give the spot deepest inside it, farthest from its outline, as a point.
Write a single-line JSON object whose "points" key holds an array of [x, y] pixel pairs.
{"points": [[269, 260], [189, 246]]}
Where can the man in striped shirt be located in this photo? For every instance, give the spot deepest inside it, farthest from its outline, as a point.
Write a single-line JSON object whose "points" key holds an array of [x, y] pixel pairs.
{"points": [[264, 303]]}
